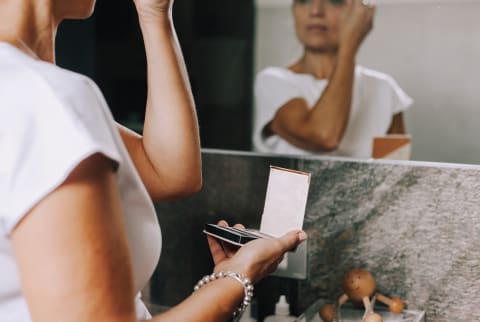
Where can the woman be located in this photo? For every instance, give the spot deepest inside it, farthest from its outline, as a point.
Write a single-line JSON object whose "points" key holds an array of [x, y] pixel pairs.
{"points": [[324, 103], [79, 236]]}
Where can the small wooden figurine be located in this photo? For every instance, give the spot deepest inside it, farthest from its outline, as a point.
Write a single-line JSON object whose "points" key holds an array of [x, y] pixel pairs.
{"points": [[359, 286]]}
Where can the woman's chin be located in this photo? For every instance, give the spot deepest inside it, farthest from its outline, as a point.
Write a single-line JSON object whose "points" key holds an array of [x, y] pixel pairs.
{"points": [[84, 11], [321, 48]]}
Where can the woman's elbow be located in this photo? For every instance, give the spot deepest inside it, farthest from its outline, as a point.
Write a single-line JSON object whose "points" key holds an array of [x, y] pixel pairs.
{"points": [[194, 186], [323, 147], [187, 187], [323, 142], [179, 189], [330, 145]]}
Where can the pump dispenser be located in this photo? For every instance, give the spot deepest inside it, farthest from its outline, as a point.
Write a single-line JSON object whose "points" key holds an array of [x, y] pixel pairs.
{"points": [[282, 312]]}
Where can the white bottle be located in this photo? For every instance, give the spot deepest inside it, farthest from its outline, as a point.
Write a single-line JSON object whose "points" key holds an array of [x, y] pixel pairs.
{"points": [[282, 312]]}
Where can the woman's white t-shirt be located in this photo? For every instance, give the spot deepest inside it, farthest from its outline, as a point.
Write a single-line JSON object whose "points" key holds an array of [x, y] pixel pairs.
{"points": [[376, 98], [50, 120]]}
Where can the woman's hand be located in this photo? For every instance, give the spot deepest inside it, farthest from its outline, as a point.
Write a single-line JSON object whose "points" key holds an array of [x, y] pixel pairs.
{"points": [[355, 23], [153, 8], [257, 258]]}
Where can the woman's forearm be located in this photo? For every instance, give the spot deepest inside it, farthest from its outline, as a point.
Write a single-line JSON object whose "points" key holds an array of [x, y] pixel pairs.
{"points": [[170, 136], [330, 114]]}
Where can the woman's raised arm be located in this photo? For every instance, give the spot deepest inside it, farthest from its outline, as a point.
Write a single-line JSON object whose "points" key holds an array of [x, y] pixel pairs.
{"points": [[167, 156]]}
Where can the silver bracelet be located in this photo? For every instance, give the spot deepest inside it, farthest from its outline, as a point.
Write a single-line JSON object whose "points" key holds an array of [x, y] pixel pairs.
{"points": [[246, 283]]}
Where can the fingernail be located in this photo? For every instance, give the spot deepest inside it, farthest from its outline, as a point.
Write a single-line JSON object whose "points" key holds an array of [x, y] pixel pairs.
{"points": [[302, 236]]}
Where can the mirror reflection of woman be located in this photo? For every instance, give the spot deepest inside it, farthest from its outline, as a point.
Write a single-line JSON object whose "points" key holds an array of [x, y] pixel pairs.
{"points": [[324, 103]]}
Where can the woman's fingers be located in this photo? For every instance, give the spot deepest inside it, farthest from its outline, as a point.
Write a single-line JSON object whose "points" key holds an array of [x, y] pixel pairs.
{"points": [[239, 226], [258, 258], [287, 243], [222, 223], [219, 249], [292, 239], [216, 249]]}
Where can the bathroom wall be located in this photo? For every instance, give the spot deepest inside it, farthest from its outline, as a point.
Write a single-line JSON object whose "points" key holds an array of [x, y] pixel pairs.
{"points": [[75, 46], [415, 226], [431, 47]]}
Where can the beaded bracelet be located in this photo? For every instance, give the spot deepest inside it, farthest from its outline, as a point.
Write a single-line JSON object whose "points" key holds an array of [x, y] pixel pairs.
{"points": [[246, 283]]}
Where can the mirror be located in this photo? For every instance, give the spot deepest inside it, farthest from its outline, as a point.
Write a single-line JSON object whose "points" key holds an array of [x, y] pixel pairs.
{"points": [[430, 47]]}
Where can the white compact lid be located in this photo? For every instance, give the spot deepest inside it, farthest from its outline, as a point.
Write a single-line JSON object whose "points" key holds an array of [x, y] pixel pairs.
{"points": [[285, 201]]}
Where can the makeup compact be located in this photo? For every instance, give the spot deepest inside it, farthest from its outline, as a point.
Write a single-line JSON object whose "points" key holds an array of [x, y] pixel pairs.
{"points": [[284, 209]]}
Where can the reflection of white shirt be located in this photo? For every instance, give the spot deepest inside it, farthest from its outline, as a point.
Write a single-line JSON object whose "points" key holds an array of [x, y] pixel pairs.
{"points": [[376, 98], [50, 120]]}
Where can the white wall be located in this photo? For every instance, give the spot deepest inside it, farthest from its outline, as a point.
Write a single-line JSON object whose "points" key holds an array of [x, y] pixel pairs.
{"points": [[432, 48]]}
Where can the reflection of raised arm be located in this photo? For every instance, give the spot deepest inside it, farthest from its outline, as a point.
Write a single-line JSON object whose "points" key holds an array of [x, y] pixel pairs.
{"points": [[168, 155], [322, 127]]}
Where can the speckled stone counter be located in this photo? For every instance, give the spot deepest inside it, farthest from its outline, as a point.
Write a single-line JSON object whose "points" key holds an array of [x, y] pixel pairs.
{"points": [[415, 226]]}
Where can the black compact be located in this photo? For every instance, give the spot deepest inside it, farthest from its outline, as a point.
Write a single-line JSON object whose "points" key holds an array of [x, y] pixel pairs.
{"points": [[234, 235]]}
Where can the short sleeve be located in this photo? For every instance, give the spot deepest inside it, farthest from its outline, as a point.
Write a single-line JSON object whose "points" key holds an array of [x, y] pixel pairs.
{"points": [[399, 100], [42, 139], [273, 89], [383, 91]]}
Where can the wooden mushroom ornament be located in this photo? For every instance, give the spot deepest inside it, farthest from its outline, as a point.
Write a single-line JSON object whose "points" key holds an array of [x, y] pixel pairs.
{"points": [[395, 305], [359, 286], [328, 313], [372, 317]]}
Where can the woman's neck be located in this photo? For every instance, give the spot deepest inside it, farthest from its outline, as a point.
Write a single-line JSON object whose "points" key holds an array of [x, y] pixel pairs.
{"points": [[29, 25], [318, 64]]}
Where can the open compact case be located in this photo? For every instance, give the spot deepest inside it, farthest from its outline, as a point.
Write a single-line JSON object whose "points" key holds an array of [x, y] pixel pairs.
{"points": [[284, 209]]}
